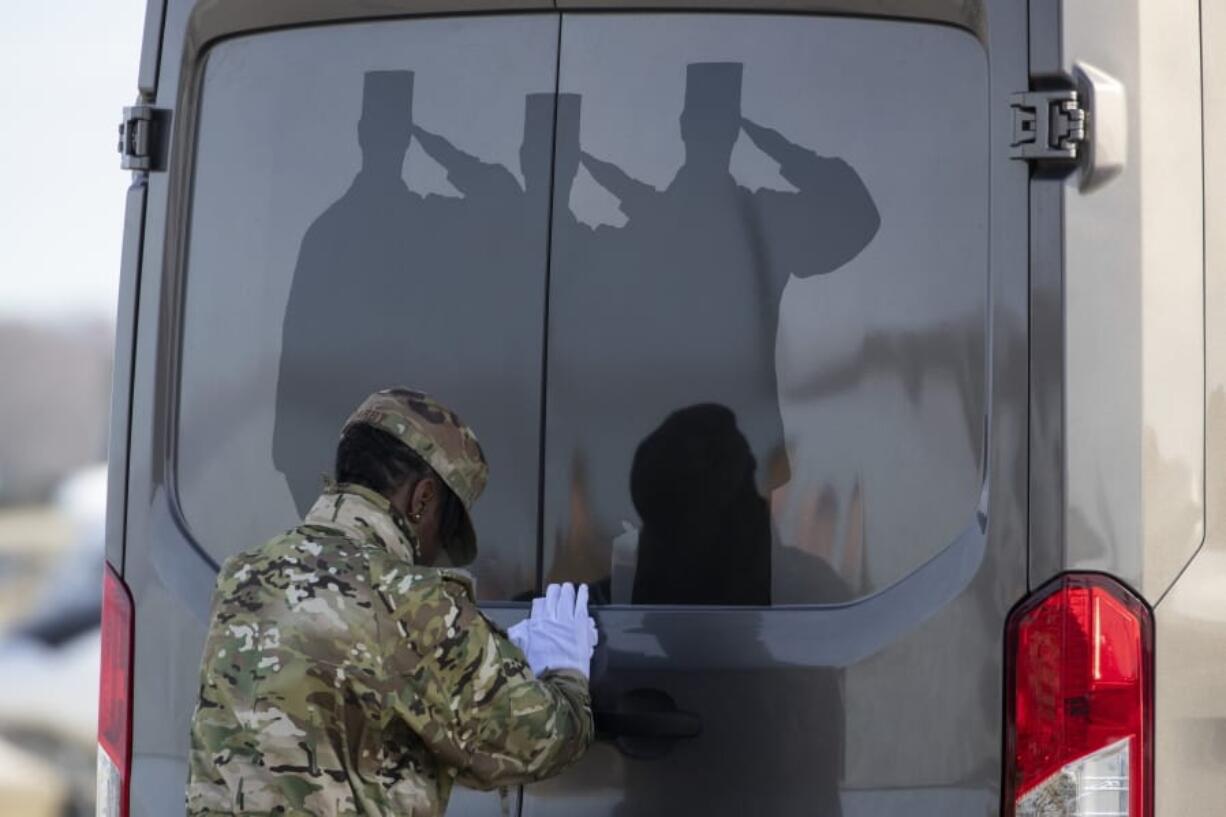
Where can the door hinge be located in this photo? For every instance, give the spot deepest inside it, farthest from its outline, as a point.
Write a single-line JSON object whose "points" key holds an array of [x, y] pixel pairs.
{"points": [[142, 138], [1048, 126]]}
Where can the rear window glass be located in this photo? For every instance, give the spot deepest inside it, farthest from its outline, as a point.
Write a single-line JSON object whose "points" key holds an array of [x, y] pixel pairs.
{"points": [[767, 305], [728, 285], [370, 209]]}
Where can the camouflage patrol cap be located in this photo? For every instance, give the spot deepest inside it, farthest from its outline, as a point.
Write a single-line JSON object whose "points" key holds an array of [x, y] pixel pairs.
{"points": [[437, 435]]}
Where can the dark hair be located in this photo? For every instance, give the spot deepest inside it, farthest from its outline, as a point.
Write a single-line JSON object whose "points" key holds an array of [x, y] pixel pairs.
{"points": [[372, 458]]}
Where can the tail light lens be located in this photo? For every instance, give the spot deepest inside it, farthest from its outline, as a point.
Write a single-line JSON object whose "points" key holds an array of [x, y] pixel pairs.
{"points": [[1079, 702], [115, 698]]}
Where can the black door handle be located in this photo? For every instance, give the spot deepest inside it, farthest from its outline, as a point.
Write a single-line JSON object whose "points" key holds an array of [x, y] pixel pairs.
{"points": [[646, 723], [672, 725]]}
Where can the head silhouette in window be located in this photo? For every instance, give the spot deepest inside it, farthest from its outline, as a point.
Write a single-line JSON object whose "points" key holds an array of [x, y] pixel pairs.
{"points": [[386, 126], [711, 117], [706, 533]]}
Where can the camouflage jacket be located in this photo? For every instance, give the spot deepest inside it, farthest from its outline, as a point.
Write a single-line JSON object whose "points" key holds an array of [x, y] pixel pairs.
{"points": [[339, 678]]}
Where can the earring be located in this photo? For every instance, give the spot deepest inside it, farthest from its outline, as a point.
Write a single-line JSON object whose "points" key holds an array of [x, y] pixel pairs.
{"points": [[415, 517]]}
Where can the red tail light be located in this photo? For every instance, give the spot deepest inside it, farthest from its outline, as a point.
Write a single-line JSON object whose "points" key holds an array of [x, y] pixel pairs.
{"points": [[1079, 719], [115, 698]]}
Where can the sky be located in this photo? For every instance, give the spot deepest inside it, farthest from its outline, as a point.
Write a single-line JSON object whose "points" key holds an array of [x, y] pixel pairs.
{"points": [[67, 68]]}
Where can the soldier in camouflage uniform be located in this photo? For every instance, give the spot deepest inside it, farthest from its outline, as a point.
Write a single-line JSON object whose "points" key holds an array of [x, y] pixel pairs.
{"points": [[343, 675]]}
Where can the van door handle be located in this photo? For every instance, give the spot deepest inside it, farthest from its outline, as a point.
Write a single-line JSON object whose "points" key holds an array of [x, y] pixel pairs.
{"points": [[672, 725], [646, 723]]}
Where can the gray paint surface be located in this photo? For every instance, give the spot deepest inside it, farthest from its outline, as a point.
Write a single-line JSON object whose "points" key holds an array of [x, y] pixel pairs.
{"points": [[1191, 617], [1134, 308], [121, 388]]}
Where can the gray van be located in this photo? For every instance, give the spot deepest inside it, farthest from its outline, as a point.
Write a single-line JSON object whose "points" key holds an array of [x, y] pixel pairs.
{"points": [[860, 355]]}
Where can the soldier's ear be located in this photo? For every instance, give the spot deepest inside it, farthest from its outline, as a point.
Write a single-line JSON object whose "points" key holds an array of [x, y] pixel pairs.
{"points": [[424, 494]]}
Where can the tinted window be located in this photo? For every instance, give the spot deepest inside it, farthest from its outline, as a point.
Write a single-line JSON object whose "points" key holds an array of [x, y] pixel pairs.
{"points": [[765, 379], [370, 209]]}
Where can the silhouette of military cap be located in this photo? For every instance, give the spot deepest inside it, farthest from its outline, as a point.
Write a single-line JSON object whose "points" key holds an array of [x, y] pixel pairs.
{"points": [[538, 112], [437, 435], [536, 149], [539, 117], [387, 97], [547, 114], [713, 89], [569, 106]]}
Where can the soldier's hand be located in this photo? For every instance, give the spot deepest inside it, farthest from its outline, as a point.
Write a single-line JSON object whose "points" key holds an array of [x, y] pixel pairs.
{"points": [[768, 140], [588, 160], [435, 146], [560, 634], [802, 167], [421, 133], [518, 635]]}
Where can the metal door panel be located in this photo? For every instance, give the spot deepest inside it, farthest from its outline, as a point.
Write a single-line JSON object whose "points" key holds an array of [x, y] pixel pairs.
{"points": [[888, 702]]}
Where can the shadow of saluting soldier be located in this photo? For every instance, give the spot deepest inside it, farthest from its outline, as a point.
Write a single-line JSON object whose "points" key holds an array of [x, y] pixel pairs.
{"points": [[341, 337], [691, 284]]}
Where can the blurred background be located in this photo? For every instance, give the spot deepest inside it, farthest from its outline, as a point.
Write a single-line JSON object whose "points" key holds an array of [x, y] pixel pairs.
{"points": [[66, 70]]}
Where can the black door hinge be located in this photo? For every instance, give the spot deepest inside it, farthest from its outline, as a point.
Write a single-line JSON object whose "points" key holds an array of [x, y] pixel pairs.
{"points": [[142, 138], [1048, 126]]}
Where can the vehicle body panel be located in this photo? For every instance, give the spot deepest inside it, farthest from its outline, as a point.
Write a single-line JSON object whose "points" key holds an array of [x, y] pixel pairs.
{"points": [[1190, 751], [1124, 262], [1094, 456]]}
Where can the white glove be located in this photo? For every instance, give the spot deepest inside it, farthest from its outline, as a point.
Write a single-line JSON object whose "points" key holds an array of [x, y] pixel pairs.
{"points": [[517, 634], [560, 634]]}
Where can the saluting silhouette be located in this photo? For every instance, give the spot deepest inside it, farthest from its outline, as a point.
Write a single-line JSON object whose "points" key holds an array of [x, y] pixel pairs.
{"points": [[343, 333], [375, 272], [681, 304], [678, 307]]}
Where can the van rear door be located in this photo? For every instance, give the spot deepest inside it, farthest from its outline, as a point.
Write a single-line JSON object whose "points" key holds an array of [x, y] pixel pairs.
{"points": [[785, 421]]}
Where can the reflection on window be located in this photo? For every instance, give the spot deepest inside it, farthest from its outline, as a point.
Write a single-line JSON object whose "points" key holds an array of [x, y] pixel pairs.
{"points": [[372, 201], [763, 369], [706, 533], [751, 319]]}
